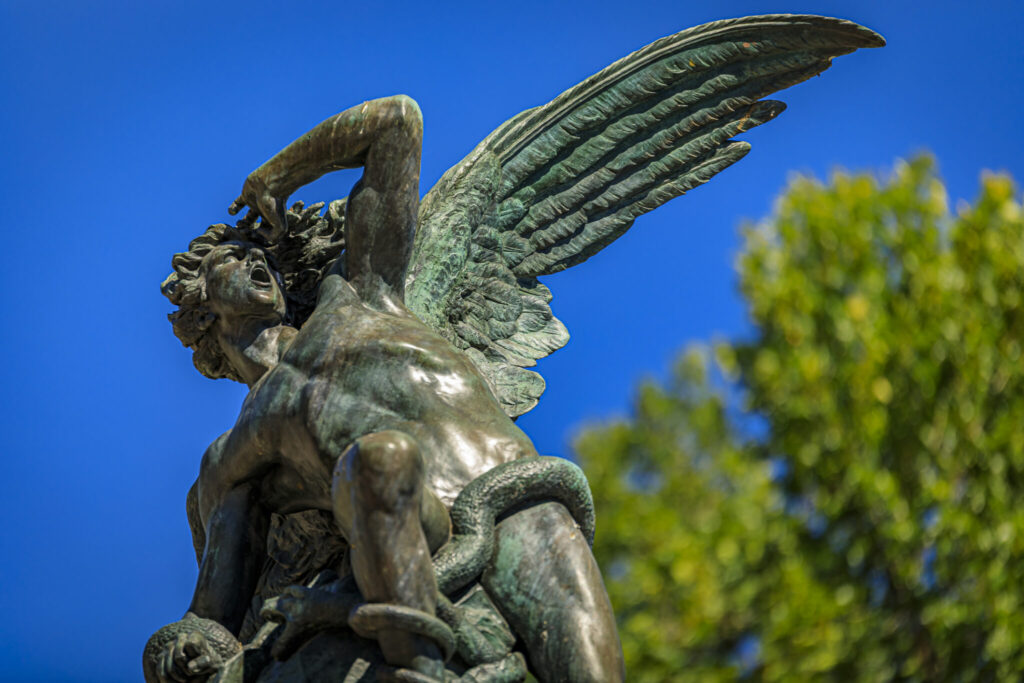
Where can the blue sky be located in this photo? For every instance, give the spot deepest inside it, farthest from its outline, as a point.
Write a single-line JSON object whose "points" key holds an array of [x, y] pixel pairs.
{"points": [[126, 128]]}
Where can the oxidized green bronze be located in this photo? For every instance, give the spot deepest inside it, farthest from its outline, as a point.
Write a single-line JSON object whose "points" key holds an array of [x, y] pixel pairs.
{"points": [[375, 513]]}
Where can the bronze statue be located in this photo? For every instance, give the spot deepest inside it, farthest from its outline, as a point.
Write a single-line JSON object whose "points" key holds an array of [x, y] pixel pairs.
{"points": [[385, 346]]}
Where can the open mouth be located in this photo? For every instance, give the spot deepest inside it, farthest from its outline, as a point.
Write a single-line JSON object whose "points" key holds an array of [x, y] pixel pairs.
{"points": [[260, 276]]}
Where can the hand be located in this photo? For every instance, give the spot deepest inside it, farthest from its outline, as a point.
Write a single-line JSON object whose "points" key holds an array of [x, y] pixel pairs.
{"points": [[256, 195], [189, 657], [189, 650]]}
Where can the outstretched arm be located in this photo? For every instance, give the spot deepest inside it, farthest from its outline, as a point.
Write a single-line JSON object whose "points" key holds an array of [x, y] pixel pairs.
{"points": [[236, 534], [195, 647], [383, 136]]}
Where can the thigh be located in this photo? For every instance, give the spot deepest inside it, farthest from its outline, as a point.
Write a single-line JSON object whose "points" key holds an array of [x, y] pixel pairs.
{"points": [[546, 583], [435, 520]]}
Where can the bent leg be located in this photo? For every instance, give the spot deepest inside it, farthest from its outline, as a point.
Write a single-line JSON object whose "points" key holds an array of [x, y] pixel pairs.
{"points": [[546, 583], [378, 494]]}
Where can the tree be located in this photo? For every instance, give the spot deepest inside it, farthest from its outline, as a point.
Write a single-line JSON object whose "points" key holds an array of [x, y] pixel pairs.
{"points": [[840, 496]]}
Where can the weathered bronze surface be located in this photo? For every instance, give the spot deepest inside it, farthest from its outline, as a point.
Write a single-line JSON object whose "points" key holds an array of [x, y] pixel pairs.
{"points": [[375, 513]]}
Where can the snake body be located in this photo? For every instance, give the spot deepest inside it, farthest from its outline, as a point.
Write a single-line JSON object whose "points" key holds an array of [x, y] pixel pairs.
{"points": [[507, 486]]}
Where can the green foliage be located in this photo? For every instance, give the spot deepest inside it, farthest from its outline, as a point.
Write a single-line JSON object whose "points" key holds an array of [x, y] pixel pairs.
{"points": [[870, 524]]}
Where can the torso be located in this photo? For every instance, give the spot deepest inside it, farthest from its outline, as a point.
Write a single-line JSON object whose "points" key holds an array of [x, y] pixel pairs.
{"points": [[355, 369]]}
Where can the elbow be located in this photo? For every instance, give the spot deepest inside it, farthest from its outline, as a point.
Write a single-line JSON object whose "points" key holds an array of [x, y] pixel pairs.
{"points": [[401, 111]]}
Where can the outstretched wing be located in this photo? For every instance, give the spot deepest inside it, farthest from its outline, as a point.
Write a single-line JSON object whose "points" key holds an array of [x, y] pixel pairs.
{"points": [[558, 183]]}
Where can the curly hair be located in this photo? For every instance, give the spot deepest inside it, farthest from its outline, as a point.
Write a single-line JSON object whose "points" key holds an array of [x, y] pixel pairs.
{"points": [[302, 256]]}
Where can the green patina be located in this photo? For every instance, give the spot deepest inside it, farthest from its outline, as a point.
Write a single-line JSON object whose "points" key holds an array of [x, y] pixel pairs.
{"points": [[387, 347]]}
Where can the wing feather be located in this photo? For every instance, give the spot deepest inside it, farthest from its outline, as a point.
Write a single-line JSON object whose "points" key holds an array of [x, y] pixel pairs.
{"points": [[556, 184]]}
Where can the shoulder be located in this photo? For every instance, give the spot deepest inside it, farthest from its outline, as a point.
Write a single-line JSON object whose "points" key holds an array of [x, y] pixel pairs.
{"points": [[211, 482], [334, 291], [214, 453], [368, 290]]}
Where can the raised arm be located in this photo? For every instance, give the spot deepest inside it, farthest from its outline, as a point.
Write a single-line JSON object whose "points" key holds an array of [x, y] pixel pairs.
{"points": [[383, 136]]}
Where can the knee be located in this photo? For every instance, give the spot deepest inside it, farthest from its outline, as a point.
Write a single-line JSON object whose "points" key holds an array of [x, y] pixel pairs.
{"points": [[384, 468], [596, 659], [389, 454], [579, 647]]}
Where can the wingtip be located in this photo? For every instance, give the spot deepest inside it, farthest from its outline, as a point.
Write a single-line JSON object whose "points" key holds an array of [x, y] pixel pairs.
{"points": [[871, 38], [769, 109], [862, 36], [854, 35]]}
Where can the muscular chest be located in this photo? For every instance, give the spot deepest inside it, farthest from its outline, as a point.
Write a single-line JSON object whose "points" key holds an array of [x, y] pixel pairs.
{"points": [[281, 451], [348, 375]]}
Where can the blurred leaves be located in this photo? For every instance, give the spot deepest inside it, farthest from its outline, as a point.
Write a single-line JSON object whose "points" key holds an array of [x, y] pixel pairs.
{"points": [[842, 496]]}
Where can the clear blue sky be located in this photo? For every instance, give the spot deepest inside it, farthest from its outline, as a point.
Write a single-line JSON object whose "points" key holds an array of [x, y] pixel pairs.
{"points": [[127, 127]]}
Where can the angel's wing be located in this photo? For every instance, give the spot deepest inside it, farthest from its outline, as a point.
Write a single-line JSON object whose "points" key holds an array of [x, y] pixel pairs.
{"points": [[558, 183]]}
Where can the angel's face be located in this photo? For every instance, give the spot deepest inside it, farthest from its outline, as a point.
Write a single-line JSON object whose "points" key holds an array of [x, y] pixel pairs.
{"points": [[239, 282]]}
